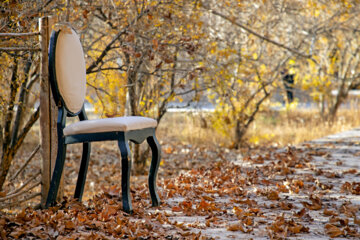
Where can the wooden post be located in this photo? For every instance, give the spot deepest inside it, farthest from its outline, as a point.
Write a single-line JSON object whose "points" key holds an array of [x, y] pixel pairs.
{"points": [[48, 112]]}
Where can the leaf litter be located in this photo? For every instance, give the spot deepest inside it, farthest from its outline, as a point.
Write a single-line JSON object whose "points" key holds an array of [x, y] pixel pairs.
{"points": [[207, 193]]}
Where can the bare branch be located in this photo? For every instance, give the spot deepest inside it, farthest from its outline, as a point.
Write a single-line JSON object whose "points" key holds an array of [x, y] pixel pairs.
{"points": [[8, 49], [249, 30], [122, 68], [98, 89], [16, 203], [33, 118], [109, 45], [20, 190], [25, 164], [19, 34]]}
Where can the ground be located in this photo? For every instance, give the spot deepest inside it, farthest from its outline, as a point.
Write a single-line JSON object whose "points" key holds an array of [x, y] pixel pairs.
{"points": [[308, 191]]}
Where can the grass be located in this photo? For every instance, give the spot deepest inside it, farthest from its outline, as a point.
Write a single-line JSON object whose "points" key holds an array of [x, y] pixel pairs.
{"points": [[271, 128]]}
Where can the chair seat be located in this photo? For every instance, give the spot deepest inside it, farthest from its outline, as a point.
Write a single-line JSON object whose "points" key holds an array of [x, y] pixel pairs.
{"points": [[121, 124]]}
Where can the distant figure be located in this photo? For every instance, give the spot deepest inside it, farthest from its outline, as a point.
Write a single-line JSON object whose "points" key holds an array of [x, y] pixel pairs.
{"points": [[288, 80]]}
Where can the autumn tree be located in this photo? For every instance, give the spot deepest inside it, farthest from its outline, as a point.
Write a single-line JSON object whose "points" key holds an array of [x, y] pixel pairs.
{"points": [[334, 46], [245, 58], [139, 55], [18, 77]]}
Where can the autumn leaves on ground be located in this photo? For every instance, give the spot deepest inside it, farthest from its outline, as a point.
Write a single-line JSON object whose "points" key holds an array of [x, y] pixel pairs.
{"points": [[306, 192]]}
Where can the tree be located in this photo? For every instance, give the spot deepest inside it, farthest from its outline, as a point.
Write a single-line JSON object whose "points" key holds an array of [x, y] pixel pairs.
{"points": [[335, 48], [18, 76], [244, 62], [146, 52]]}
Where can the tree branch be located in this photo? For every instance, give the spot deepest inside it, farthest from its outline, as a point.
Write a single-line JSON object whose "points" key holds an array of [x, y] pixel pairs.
{"points": [[18, 192], [9, 49], [109, 46], [249, 30], [19, 34], [33, 118], [25, 164]]}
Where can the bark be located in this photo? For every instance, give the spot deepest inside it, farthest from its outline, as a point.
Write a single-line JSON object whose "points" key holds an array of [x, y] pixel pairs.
{"points": [[9, 152], [21, 102]]}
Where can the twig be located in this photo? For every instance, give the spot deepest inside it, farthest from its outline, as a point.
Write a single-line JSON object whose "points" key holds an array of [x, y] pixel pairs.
{"points": [[16, 203], [22, 186], [5, 49], [19, 34], [21, 192], [26, 163]]}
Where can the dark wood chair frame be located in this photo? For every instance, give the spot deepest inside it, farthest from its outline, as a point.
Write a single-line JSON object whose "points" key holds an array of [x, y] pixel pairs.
{"points": [[123, 138]]}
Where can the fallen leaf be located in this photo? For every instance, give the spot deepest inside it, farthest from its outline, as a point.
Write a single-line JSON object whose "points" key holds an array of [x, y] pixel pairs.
{"points": [[273, 195], [236, 227], [328, 212], [333, 231], [69, 225]]}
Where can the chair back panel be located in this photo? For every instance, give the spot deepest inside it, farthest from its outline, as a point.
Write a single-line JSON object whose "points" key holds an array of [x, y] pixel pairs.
{"points": [[70, 69]]}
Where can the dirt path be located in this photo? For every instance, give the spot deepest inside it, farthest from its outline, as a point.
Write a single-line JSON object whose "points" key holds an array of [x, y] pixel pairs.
{"points": [[311, 191]]}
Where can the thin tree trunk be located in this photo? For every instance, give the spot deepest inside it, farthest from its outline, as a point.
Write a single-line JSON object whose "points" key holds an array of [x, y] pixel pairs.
{"points": [[21, 104], [7, 156]]}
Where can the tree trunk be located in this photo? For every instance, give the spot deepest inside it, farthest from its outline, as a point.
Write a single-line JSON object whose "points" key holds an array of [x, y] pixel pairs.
{"points": [[239, 134], [6, 161], [133, 99], [341, 96], [6, 157]]}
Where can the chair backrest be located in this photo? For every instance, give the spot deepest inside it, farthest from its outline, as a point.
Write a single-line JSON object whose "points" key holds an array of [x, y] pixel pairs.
{"points": [[67, 70]]}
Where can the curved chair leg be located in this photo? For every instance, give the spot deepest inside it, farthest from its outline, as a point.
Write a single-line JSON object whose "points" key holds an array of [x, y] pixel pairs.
{"points": [[55, 180], [155, 161], [82, 171], [125, 174]]}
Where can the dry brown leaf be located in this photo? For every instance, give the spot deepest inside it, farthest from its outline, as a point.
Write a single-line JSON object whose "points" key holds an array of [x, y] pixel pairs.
{"points": [[236, 227], [282, 188], [328, 212], [69, 225], [273, 195], [286, 206], [356, 221], [295, 229], [351, 232], [333, 231], [350, 171], [208, 198], [237, 211], [169, 149], [311, 206], [176, 209], [248, 221], [301, 213]]}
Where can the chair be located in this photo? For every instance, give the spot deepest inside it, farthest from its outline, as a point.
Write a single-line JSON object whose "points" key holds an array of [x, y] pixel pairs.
{"points": [[67, 75]]}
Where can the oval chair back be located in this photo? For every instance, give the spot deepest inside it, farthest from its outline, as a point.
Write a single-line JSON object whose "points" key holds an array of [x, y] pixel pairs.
{"points": [[67, 69]]}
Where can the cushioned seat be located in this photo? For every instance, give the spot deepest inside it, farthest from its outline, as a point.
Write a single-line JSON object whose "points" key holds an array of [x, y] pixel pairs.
{"points": [[122, 124]]}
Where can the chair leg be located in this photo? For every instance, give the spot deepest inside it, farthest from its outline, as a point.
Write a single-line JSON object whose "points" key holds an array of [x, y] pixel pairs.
{"points": [[82, 171], [55, 180], [125, 175], [155, 161]]}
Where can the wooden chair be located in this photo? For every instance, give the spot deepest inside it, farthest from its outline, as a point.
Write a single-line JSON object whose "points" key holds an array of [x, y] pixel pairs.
{"points": [[67, 76]]}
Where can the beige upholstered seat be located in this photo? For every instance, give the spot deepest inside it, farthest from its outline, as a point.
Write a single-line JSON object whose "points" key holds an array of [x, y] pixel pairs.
{"points": [[122, 124]]}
